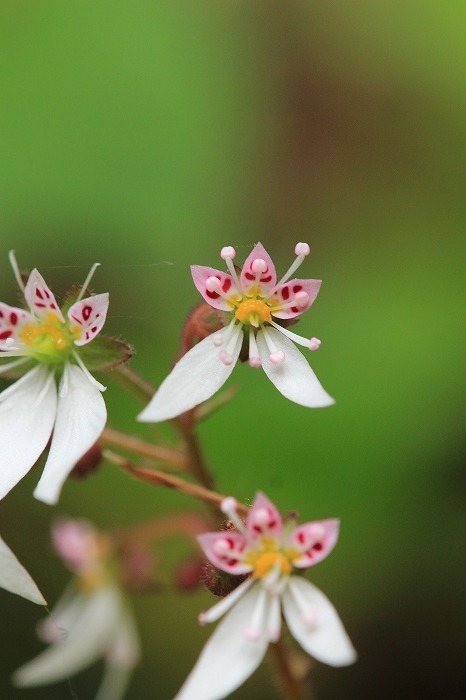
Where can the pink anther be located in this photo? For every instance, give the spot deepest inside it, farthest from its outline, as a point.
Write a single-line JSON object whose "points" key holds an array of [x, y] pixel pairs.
{"points": [[302, 249], [227, 252], [225, 357], [259, 265], [302, 298], [277, 357], [213, 284], [314, 344], [254, 362], [229, 505]]}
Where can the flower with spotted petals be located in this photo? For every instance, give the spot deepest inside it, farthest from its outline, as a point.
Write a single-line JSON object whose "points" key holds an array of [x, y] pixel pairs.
{"points": [[91, 620], [46, 340], [272, 556], [259, 308]]}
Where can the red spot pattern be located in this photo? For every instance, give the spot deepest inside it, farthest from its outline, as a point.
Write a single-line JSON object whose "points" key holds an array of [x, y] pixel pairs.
{"points": [[213, 295], [5, 334], [13, 318], [86, 312]]}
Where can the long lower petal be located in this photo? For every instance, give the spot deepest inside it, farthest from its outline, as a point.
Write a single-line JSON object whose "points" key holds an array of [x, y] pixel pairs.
{"points": [[195, 378], [293, 377], [79, 645], [27, 414], [314, 623], [81, 417], [229, 657], [15, 578]]}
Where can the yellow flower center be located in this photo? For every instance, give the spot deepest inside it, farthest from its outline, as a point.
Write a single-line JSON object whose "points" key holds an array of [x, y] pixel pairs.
{"points": [[253, 311], [269, 557], [50, 339]]}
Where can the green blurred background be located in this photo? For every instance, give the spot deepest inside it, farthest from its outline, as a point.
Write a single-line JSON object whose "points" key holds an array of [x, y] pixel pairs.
{"points": [[147, 135]]}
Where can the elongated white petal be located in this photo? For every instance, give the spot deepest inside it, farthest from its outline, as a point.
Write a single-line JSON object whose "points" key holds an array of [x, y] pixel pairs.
{"points": [[293, 377], [314, 623], [121, 657], [15, 578], [81, 417], [27, 414], [229, 657], [114, 683], [195, 378], [81, 645], [224, 604]]}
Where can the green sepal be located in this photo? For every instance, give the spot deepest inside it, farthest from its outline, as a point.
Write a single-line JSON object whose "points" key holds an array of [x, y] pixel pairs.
{"points": [[104, 353]]}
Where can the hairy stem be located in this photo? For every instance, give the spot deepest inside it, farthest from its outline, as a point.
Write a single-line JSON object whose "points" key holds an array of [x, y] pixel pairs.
{"points": [[159, 478], [167, 455]]}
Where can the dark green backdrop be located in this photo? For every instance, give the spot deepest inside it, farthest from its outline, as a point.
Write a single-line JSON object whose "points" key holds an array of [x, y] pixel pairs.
{"points": [[147, 135]]}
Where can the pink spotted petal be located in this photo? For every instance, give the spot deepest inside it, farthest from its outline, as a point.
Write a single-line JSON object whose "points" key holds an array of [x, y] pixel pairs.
{"points": [[264, 519], [266, 280], [226, 551], [314, 540], [201, 274], [39, 298], [291, 291], [88, 316], [12, 320]]}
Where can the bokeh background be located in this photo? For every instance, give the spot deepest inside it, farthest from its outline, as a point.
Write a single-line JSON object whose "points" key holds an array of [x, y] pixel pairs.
{"points": [[147, 135]]}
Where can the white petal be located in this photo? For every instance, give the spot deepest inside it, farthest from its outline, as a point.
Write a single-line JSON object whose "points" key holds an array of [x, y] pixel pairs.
{"points": [[121, 657], [27, 414], [293, 378], [325, 639], [81, 417], [114, 683], [81, 645], [195, 378], [229, 657], [15, 578]]}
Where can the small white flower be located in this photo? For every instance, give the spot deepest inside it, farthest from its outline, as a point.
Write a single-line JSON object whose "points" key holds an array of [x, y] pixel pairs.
{"points": [[267, 551], [32, 407], [259, 307], [90, 621], [15, 578]]}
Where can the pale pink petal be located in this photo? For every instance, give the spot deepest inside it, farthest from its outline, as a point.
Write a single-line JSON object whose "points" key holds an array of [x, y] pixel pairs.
{"points": [[264, 520], [230, 656], [314, 623], [226, 551], [314, 540], [88, 316], [195, 378], [39, 298], [27, 415], [15, 578], [293, 377], [302, 292], [12, 321], [201, 273], [266, 280], [81, 417]]}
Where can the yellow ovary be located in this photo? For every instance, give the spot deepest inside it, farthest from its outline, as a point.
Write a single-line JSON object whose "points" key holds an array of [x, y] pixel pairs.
{"points": [[253, 311], [51, 330]]}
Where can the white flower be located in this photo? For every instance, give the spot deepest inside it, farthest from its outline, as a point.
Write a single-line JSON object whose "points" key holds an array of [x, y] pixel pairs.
{"points": [[266, 550], [90, 621], [15, 578], [259, 307], [32, 407]]}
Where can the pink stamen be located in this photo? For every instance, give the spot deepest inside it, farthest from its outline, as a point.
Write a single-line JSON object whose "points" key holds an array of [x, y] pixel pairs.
{"points": [[255, 362], [277, 357], [225, 357], [302, 249], [228, 252], [314, 344]]}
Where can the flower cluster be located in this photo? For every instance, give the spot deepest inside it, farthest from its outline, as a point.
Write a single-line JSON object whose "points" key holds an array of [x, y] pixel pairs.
{"points": [[55, 403]]}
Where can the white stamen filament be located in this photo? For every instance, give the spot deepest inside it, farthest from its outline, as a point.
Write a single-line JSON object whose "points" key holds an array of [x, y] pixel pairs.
{"points": [[219, 609], [225, 355], [44, 389], [221, 339], [309, 615], [228, 507], [275, 619], [254, 357], [293, 267], [12, 365], [300, 301], [87, 280], [276, 356], [298, 339], [65, 383], [89, 376], [17, 274], [213, 284], [254, 630], [234, 274]]}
